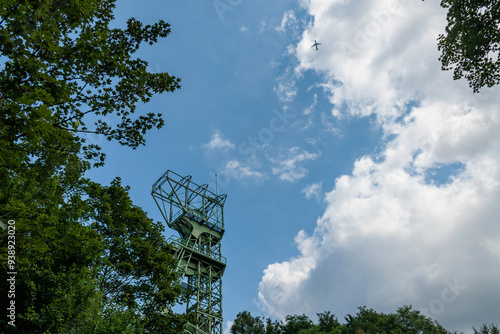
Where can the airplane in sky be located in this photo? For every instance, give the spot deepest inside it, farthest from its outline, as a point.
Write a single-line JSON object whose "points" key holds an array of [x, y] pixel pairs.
{"points": [[316, 45]]}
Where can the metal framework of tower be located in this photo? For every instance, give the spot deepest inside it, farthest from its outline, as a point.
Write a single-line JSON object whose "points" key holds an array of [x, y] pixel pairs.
{"points": [[197, 214]]}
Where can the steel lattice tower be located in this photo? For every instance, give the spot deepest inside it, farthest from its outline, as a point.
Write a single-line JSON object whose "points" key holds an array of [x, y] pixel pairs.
{"points": [[196, 214]]}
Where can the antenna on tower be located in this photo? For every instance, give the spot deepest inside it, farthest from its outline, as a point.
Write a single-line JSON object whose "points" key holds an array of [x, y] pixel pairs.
{"points": [[216, 185]]}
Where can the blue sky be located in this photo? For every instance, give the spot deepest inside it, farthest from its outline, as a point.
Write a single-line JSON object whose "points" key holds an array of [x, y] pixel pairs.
{"points": [[359, 174]]}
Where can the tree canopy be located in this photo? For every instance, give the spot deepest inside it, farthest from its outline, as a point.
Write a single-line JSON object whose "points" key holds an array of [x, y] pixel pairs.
{"points": [[87, 259], [405, 320], [62, 64], [470, 45]]}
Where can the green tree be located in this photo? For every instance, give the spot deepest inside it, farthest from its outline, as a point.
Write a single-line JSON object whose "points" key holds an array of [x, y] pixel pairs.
{"points": [[485, 329], [366, 321], [111, 275], [327, 321], [369, 321], [471, 43], [65, 74], [135, 271], [316, 329], [52, 250], [295, 323], [273, 326], [245, 323], [327, 324], [413, 321], [441, 330]]}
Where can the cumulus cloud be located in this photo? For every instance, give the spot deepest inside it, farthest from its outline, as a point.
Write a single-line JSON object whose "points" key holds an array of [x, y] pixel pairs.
{"points": [[288, 165], [227, 329], [218, 142], [393, 232], [373, 52]]}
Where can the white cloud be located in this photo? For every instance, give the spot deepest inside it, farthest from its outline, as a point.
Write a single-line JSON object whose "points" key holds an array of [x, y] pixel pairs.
{"points": [[218, 142], [365, 47], [227, 329], [288, 168], [310, 109], [313, 190], [241, 171], [263, 25], [286, 89], [405, 237], [282, 283], [391, 234], [288, 21], [326, 121]]}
